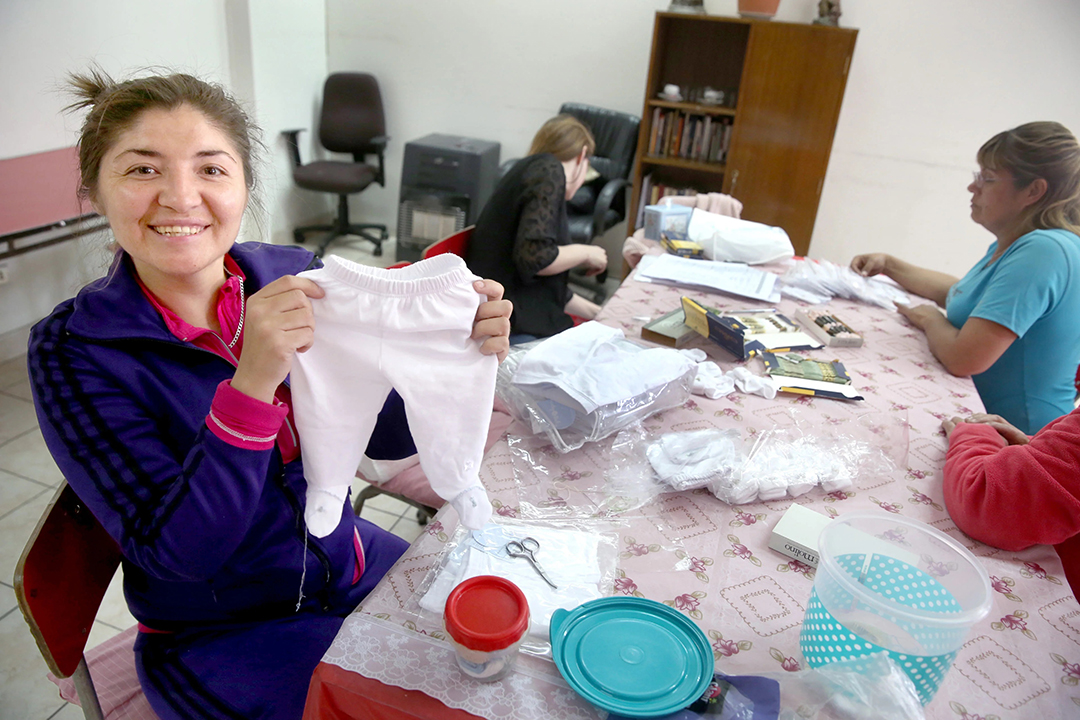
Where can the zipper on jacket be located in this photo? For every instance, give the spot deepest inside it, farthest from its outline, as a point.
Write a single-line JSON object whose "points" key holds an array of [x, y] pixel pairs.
{"points": [[302, 535]]}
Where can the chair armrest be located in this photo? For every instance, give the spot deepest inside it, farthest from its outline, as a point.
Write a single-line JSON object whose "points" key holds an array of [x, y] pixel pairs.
{"points": [[378, 147], [291, 138], [603, 203]]}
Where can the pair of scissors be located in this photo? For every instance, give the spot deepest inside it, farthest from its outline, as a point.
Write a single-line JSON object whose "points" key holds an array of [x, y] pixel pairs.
{"points": [[525, 548]]}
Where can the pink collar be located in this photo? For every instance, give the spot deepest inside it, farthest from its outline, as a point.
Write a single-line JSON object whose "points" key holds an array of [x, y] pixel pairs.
{"points": [[228, 308]]}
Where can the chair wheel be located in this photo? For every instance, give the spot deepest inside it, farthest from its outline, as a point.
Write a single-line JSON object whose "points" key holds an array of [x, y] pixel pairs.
{"points": [[421, 518], [298, 237], [385, 234], [378, 251]]}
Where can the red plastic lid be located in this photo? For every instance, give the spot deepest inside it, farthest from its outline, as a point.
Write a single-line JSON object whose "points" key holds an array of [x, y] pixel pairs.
{"points": [[486, 613]]}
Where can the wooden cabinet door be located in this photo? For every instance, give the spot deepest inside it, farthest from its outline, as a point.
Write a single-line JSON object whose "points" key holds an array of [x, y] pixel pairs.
{"points": [[792, 86]]}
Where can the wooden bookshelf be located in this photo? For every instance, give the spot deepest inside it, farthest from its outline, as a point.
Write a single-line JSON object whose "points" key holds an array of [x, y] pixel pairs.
{"points": [[788, 80], [713, 167]]}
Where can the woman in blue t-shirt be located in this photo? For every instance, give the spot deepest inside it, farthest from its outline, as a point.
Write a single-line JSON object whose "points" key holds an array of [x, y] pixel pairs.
{"points": [[1013, 322]]}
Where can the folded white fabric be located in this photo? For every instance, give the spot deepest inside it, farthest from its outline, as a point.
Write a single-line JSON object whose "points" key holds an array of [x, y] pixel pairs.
{"points": [[736, 489], [688, 460], [750, 383], [712, 382], [696, 354], [592, 365]]}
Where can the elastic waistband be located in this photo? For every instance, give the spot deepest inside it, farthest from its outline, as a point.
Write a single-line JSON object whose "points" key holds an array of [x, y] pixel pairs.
{"points": [[432, 275]]}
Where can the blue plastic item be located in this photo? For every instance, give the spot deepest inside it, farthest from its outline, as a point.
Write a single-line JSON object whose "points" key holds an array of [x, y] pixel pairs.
{"points": [[635, 657], [824, 639]]}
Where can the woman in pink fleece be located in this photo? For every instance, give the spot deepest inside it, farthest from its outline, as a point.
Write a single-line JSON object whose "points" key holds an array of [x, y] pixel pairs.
{"points": [[1013, 491]]}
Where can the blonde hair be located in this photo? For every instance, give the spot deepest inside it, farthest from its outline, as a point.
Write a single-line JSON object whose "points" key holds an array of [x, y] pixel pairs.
{"points": [[563, 136], [1044, 150]]}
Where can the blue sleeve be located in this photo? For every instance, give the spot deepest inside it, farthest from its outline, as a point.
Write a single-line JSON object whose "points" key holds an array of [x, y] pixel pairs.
{"points": [[177, 516], [1027, 284]]}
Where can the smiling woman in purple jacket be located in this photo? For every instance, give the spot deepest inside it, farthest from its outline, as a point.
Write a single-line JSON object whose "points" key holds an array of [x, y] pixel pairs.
{"points": [[161, 392]]}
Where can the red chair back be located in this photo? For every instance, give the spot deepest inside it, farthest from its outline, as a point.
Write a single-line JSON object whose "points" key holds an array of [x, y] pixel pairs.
{"points": [[456, 244], [61, 578]]}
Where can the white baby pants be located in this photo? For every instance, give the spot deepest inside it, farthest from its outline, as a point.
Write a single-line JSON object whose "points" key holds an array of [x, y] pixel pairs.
{"points": [[410, 329]]}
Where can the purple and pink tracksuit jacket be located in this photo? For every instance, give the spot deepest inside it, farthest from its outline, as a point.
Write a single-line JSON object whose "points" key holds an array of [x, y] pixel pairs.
{"points": [[210, 525]]}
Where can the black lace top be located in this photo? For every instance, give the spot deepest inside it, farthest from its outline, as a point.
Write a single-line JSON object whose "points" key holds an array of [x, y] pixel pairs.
{"points": [[518, 234]]}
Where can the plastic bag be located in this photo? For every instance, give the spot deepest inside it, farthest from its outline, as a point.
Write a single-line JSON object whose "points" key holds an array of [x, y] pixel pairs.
{"points": [[786, 460], [870, 688], [621, 480], [568, 429], [580, 558], [818, 281], [734, 240]]}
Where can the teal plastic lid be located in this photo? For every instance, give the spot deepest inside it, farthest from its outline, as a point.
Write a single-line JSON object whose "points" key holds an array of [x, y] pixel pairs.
{"points": [[632, 656]]}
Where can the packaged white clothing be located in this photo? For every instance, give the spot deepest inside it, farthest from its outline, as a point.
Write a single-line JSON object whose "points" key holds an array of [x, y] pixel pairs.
{"points": [[408, 329], [688, 460], [818, 281], [565, 422], [585, 367], [735, 240]]}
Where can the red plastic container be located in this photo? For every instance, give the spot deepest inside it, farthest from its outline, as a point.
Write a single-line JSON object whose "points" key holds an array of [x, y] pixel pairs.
{"points": [[487, 617]]}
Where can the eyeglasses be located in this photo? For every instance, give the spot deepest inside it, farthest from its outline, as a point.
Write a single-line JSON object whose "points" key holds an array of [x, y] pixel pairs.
{"points": [[981, 180]]}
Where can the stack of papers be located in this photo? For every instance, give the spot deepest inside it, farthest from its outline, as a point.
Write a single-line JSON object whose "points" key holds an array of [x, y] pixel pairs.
{"points": [[733, 278]]}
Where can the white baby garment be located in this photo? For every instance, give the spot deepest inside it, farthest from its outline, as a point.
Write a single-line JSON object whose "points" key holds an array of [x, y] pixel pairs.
{"points": [[410, 329]]}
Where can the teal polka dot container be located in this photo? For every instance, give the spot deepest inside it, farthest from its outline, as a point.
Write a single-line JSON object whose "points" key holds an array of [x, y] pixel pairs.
{"points": [[888, 584]]}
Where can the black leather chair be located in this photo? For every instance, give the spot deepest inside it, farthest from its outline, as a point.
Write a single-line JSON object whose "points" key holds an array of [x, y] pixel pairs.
{"points": [[601, 203], [352, 122]]}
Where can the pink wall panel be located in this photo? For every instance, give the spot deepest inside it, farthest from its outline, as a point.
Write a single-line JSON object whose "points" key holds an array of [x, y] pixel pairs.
{"points": [[39, 189]]}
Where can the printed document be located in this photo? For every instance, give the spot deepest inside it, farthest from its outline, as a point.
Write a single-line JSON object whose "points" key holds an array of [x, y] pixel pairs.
{"points": [[733, 278]]}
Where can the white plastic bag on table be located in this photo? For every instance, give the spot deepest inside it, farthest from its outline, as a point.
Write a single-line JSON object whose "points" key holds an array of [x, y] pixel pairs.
{"points": [[568, 429], [735, 240]]}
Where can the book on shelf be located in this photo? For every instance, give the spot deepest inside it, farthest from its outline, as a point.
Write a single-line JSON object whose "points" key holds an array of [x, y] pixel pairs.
{"points": [[655, 129], [699, 137], [643, 197]]}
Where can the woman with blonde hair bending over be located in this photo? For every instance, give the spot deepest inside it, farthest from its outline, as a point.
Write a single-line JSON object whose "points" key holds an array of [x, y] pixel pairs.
{"points": [[1012, 321], [161, 392], [522, 238]]}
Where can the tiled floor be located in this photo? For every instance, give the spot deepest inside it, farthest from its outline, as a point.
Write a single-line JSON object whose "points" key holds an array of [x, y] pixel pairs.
{"points": [[28, 480]]}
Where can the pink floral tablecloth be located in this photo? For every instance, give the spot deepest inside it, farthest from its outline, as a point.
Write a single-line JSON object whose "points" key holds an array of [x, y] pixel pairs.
{"points": [[1023, 660]]}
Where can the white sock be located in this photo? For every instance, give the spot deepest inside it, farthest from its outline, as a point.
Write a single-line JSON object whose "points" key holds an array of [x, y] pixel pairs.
{"points": [[473, 507], [322, 513]]}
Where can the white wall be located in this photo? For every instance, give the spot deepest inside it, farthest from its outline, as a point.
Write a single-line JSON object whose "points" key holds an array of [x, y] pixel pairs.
{"points": [[488, 69], [288, 67], [930, 82], [270, 53], [40, 42]]}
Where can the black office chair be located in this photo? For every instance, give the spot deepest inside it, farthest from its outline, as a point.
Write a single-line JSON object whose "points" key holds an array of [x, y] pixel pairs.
{"points": [[351, 122], [601, 203]]}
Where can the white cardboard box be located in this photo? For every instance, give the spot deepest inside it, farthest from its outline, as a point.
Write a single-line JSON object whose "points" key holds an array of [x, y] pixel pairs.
{"points": [[796, 534]]}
